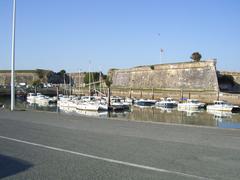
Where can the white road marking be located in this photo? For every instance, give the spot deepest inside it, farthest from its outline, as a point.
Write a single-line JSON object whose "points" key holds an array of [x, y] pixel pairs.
{"points": [[106, 159]]}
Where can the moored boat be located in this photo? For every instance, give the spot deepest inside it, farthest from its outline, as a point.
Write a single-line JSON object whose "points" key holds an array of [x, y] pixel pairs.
{"points": [[42, 100], [91, 103], [191, 104], [223, 106], [1, 106], [166, 103], [118, 103], [64, 101], [91, 106], [31, 98], [145, 102]]}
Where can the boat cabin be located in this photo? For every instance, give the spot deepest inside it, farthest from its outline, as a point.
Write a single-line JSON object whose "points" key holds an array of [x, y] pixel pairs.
{"points": [[220, 103]]}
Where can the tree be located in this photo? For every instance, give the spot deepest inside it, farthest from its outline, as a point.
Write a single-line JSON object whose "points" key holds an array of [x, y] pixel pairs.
{"points": [[108, 81], [40, 73], [58, 77], [94, 76], [196, 56], [62, 72], [37, 83], [152, 67], [226, 79]]}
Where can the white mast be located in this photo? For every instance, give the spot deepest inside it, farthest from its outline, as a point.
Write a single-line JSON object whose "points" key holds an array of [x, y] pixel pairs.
{"points": [[13, 58], [79, 81], [70, 83], [100, 79], [64, 82]]}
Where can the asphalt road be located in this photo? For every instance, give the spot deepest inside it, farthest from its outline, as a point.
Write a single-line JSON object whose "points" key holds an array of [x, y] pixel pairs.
{"points": [[41, 145]]}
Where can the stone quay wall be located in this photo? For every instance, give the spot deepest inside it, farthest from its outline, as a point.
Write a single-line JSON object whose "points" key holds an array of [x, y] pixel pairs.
{"points": [[205, 96]]}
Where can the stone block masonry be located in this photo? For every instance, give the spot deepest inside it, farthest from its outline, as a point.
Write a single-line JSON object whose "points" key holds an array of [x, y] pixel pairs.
{"points": [[23, 76], [199, 76], [179, 80]]}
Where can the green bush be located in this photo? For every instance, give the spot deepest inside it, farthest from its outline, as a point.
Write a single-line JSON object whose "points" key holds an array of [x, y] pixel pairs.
{"points": [[196, 56], [94, 76]]}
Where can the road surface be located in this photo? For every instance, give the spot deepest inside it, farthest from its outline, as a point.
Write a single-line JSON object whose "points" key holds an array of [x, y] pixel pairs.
{"points": [[42, 145]]}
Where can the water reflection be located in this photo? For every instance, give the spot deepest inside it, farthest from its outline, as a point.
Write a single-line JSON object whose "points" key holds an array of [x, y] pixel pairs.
{"points": [[164, 109], [191, 112], [218, 115], [175, 116], [20, 104], [226, 119], [228, 123], [93, 113], [119, 114], [203, 118], [74, 111]]}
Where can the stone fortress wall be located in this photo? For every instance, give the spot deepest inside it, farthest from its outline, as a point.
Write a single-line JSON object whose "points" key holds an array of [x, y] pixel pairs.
{"points": [[179, 76], [198, 80], [179, 80], [77, 78], [27, 77]]}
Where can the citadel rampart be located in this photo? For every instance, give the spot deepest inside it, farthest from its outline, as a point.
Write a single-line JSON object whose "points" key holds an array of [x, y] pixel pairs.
{"points": [[179, 76], [77, 78], [198, 80], [26, 76], [188, 79]]}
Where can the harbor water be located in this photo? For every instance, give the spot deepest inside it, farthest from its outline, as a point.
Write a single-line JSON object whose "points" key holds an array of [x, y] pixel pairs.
{"points": [[150, 114]]}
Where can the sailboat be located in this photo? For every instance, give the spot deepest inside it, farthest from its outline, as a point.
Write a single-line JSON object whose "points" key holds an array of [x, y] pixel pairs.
{"points": [[91, 103]]}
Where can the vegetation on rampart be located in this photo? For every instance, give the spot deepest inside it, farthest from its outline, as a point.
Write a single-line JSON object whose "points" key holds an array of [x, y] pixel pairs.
{"points": [[108, 81], [60, 77], [196, 56], [91, 77], [44, 76], [18, 71], [226, 79]]}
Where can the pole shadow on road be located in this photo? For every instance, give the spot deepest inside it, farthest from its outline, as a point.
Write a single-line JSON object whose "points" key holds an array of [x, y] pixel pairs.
{"points": [[10, 166]]}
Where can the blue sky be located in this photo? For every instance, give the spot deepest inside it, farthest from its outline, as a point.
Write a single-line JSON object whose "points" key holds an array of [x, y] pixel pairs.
{"points": [[67, 34]]}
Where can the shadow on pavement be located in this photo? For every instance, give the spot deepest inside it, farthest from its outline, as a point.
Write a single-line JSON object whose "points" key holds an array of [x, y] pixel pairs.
{"points": [[10, 166]]}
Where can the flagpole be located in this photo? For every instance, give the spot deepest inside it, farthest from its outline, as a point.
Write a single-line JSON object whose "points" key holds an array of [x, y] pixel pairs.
{"points": [[161, 57], [13, 58]]}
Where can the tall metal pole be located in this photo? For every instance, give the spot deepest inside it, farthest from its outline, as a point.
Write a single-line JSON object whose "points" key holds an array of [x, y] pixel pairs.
{"points": [[13, 58], [89, 79]]}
